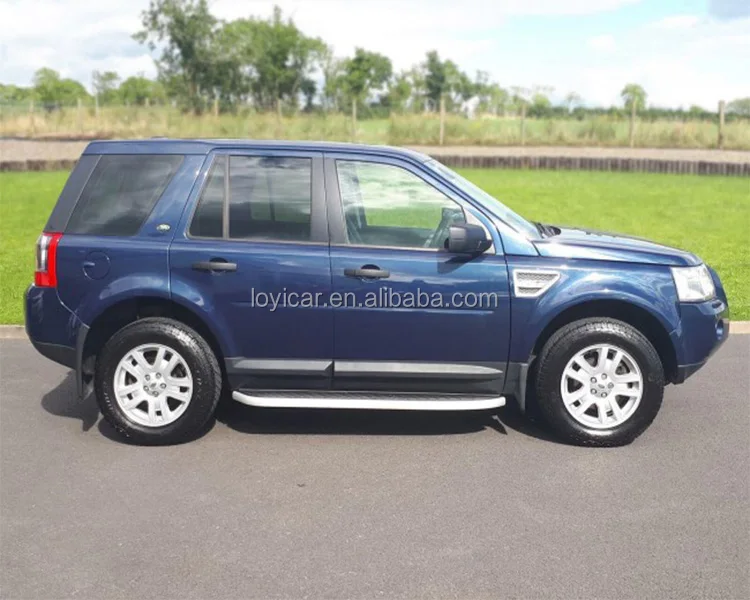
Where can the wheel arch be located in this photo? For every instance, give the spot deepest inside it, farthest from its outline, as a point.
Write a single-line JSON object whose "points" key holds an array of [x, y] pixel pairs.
{"points": [[121, 313], [634, 315]]}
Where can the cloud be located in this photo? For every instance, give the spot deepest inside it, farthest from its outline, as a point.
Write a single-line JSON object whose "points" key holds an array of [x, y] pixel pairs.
{"points": [[677, 22], [729, 9], [603, 43], [692, 59]]}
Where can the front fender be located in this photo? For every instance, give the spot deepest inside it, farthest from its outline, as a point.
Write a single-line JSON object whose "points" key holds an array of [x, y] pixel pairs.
{"points": [[648, 287]]}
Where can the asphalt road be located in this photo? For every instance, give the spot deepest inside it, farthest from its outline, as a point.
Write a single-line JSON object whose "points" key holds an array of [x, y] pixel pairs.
{"points": [[284, 504]]}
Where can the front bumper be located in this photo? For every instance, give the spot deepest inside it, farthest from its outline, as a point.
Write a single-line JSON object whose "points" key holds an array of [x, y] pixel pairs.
{"points": [[704, 327]]}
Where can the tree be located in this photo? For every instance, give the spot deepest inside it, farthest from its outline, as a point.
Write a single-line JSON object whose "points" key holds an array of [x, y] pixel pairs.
{"points": [[105, 86], [363, 73], [492, 99], [309, 88], [634, 98], [419, 88], [332, 94], [633, 95], [51, 90], [138, 90], [740, 106], [274, 56], [541, 106], [185, 31], [572, 101], [14, 93], [445, 81], [400, 90]]}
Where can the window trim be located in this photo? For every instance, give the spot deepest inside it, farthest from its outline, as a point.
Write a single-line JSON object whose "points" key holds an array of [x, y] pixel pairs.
{"points": [[337, 220], [318, 207]]}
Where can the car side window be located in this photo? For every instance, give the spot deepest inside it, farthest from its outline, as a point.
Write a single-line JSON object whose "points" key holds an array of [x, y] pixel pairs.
{"points": [[386, 205], [208, 220], [121, 192], [270, 198]]}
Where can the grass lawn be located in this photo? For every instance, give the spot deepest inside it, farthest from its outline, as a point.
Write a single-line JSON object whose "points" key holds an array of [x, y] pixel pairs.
{"points": [[706, 215]]}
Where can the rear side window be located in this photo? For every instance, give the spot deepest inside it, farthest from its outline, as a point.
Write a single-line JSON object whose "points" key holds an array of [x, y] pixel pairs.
{"points": [[270, 198], [121, 192]]}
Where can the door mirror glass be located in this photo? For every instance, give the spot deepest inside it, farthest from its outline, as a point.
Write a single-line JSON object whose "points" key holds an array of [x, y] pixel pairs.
{"points": [[468, 239]]}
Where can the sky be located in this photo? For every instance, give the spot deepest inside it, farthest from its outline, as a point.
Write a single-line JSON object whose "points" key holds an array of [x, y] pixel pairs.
{"points": [[683, 52]]}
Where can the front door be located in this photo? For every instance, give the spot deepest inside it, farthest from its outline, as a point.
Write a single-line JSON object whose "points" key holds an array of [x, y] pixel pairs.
{"points": [[254, 247], [409, 315]]}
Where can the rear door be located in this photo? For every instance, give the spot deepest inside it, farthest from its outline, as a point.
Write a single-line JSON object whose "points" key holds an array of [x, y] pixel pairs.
{"points": [[251, 253]]}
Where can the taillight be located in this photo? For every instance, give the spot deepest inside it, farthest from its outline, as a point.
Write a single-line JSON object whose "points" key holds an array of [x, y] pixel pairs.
{"points": [[46, 260]]}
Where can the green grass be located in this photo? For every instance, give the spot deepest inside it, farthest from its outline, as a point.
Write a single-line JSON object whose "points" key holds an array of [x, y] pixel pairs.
{"points": [[709, 216], [26, 201], [706, 215]]}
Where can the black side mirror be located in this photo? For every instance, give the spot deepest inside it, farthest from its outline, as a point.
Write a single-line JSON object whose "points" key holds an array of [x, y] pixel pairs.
{"points": [[467, 239]]}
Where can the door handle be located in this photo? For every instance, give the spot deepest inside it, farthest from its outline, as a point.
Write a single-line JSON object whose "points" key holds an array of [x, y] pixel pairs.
{"points": [[368, 272], [214, 265]]}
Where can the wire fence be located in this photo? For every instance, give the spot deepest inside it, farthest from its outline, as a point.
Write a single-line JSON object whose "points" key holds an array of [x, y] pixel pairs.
{"points": [[89, 120]]}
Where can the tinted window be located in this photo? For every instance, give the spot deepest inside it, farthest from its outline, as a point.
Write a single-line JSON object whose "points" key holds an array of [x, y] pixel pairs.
{"points": [[385, 205], [270, 198], [209, 216], [121, 192]]}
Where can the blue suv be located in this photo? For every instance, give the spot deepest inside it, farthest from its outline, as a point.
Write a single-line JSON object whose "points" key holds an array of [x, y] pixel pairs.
{"points": [[324, 275]]}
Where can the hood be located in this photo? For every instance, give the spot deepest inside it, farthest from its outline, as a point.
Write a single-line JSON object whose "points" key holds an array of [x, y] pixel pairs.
{"points": [[598, 245]]}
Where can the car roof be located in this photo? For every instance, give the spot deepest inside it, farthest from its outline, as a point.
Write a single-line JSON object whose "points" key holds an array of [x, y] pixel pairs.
{"points": [[204, 146]]}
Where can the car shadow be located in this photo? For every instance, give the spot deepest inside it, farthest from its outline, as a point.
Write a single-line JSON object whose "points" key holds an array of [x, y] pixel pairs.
{"points": [[62, 401]]}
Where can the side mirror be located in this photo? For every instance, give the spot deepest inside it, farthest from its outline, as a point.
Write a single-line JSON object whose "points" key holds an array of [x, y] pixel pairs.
{"points": [[467, 239]]}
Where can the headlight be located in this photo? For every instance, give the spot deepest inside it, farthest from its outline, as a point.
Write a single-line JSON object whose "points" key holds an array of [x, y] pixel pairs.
{"points": [[694, 284]]}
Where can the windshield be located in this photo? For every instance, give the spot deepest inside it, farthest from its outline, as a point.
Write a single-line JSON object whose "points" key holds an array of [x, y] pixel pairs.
{"points": [[513, 219]]}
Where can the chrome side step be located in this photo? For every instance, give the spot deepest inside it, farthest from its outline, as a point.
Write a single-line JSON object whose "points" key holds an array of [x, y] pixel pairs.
{"points": [[368, 401]]}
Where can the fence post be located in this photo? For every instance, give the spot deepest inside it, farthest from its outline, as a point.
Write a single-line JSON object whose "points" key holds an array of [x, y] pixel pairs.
{"points": [[79, 115], [523, 123], [442, 119], [96, 105], [216, 106], [31, 117], [721, 125], [632, 123], [354, 118]]}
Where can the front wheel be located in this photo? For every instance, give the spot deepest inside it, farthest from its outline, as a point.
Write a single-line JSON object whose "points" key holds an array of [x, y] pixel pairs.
{"points": [[157, 381], [599, 382]]}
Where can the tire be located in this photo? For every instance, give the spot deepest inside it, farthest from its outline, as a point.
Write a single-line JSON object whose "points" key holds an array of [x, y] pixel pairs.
{"points": [[196, 377], [557, 377]]}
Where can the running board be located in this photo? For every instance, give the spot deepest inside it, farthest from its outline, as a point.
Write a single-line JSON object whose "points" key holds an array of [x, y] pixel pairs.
{"points": [[368, 401]]}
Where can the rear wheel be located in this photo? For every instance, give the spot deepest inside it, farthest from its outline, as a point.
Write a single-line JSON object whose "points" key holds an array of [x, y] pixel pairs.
{"points": [[157, 382], [599, 382]]}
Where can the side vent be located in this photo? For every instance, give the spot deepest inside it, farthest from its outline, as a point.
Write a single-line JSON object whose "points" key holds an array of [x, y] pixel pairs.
{"points": [[531, 283]]}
